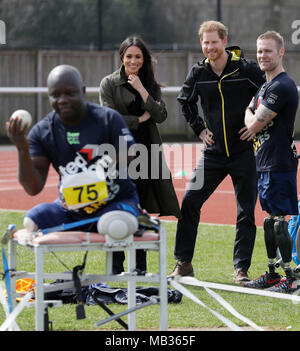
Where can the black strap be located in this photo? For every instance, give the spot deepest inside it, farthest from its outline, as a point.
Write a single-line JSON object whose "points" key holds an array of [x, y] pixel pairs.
{"points": [[80, 313]]}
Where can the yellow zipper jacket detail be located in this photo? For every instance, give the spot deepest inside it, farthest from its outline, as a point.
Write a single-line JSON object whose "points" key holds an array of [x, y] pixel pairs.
{"points": [[223, 110]]}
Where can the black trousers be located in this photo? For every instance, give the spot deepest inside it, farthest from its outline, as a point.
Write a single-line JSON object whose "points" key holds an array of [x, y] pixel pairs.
{"points": [[142, 187], [210, 171], [119, 257]]}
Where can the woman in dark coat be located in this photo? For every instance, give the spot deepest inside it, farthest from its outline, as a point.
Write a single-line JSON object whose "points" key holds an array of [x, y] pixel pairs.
{"points": [[133, 91]]}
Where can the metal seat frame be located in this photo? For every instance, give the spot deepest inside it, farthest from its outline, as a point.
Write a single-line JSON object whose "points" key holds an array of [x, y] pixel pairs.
{"points": [[129, 245]]}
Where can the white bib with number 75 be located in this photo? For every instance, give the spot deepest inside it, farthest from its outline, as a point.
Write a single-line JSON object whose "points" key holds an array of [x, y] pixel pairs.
{"points": [[84, 188]]}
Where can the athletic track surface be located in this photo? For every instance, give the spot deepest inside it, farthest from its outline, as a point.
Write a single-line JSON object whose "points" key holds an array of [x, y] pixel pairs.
{"points": [[220, 208]]}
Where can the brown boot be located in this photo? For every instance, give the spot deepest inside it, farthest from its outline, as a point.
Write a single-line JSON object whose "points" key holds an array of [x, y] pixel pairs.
{"points": [[241, 275], [184, 269]]}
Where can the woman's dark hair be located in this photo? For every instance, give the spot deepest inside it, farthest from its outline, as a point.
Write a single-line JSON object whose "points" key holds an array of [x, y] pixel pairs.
{"points": [[146, 73]]}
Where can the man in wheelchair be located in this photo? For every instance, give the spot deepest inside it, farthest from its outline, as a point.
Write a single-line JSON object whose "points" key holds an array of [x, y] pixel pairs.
{"points": [[84, 142]]}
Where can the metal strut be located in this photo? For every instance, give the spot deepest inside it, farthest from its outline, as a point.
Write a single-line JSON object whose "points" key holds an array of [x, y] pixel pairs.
{"points": [[152, 301]]}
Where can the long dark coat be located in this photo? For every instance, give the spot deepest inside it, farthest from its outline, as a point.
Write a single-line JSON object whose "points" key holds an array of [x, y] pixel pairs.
{"points": [[161, 196]]}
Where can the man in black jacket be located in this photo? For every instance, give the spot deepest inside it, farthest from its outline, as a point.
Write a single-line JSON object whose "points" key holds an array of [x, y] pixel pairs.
{"points": [[225, 83]]}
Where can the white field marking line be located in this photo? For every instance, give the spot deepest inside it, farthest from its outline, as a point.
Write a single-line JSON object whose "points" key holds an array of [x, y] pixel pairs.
{"points": [[12, 316], [195, 282], [3, 301], [55, 184], [228, 192], [9, 180], [233, 311], [4, 177], [204, 223], [191, 296], [55, 178], [10, 210], [5, 170], [20, 188]]}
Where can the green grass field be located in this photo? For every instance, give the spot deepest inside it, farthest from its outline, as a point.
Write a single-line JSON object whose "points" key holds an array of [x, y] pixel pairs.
{"points": [[212, 262]]}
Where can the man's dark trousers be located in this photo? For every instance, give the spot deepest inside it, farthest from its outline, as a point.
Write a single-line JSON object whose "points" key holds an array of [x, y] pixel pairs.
{"points": [[210, 171]]}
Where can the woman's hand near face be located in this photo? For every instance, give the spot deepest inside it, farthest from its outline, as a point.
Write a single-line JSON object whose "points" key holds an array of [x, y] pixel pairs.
{"points": [[136, 83]]}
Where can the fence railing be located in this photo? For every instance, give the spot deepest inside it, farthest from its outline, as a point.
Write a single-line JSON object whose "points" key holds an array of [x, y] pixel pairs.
{"points": [[175, 127], [89, 90]]}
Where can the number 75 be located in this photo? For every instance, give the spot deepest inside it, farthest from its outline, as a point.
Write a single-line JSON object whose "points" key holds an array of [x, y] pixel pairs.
{"points": [[86, 192]]}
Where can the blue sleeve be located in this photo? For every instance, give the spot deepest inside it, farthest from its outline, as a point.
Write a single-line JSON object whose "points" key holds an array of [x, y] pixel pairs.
{"points": [[35, 146]]}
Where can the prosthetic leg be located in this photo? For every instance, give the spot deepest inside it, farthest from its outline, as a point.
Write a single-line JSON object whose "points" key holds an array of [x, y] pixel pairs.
{"points": [[276, 237], [270, 242], [284, 243]]}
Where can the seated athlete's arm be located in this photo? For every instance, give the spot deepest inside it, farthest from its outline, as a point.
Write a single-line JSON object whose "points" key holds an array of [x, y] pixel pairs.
{"points": [[33, 172]]}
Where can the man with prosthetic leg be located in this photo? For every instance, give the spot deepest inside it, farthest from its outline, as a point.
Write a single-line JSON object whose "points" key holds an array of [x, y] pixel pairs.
{"points": [[270, 120], [276, 237]]}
